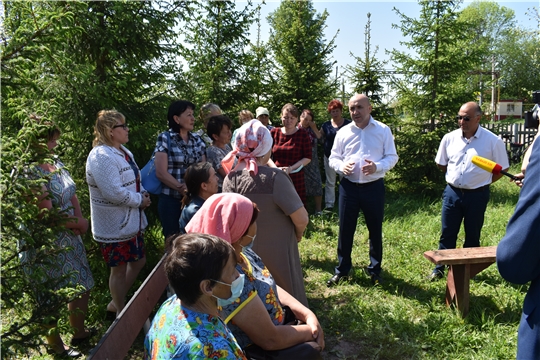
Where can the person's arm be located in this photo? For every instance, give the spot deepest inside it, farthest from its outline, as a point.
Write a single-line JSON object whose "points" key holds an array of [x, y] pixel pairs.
{"points": [[253, 319], [500, 156], [300, 220], [78, 224], [305, 143], [390, 156], [161, 162], [105, 171], [442, 167], [336, 159], [313, 127], [296, 165], [517, 253], [81, 225], [303, 314]]}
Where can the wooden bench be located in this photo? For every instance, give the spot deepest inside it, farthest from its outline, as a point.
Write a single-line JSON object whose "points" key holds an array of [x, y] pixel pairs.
{"points": [[464, 264], [118, 339]]}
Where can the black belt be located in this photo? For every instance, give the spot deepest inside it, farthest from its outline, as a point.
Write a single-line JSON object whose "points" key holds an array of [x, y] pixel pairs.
{"points": [[363, 184], [481, 188]]}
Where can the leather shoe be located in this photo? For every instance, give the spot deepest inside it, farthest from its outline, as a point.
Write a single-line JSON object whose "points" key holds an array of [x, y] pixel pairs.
{"points": [[69, 353], [78, 341], [376, 279], [435, 275], [336, 279]]}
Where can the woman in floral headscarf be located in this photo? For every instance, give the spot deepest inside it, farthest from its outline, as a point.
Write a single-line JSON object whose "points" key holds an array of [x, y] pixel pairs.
{"points": [[266, 320], [283, 216]]}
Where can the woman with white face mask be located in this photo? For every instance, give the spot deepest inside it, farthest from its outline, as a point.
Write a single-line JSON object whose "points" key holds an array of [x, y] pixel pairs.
{"points": [[267, 321], [201, 270]]}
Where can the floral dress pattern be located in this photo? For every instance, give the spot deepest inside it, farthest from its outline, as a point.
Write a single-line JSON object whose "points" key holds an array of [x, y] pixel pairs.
{"points": [[257, 280], [72, 262], [312, 174], [180, 333]]}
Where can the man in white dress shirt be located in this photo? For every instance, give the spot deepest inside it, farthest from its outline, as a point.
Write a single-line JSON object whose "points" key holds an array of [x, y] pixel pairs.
{"points": [[466, 195], [363, 152]]}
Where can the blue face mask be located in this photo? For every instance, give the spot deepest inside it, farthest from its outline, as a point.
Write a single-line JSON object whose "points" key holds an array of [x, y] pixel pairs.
{"points": [[250, 245], [236, 289]]}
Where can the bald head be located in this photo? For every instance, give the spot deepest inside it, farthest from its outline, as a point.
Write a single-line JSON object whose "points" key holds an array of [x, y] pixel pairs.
{"points": [[360, 110], [469, 117], [360, 97]]}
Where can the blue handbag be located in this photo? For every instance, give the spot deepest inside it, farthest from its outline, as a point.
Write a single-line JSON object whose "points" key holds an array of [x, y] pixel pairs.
{"points": [[149, 179]]}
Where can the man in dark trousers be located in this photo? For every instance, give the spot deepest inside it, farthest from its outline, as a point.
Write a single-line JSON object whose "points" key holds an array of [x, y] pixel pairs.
{"points": [[466, 195], [363, 152]]}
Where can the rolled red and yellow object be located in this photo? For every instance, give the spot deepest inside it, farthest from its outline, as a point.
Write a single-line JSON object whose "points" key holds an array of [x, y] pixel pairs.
{"points": [[490, 166]]}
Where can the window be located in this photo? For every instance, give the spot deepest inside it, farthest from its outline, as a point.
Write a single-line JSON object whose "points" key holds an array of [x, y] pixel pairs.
{"points": [[510, 108]]}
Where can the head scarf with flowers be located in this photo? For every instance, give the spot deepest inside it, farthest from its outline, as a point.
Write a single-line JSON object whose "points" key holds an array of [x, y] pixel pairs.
{"points": [[253, 140]]}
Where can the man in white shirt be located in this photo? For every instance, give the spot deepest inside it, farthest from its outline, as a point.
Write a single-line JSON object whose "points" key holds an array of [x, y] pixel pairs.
{"points": [[363, 152], [466, 196]]}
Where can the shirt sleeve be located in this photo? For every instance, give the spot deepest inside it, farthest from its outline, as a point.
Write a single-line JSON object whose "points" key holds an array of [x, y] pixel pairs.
{"points": [[442, 157], [106, 173], [162, 143], [336, 155], [306, 145], [285, 195], [500, 156], [390, 156]]}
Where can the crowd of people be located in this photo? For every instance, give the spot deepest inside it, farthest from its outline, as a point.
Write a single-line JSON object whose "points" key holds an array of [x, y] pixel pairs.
{"points": [[235, 297]]}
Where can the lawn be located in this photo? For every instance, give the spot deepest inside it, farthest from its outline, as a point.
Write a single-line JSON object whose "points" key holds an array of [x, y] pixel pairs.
{"points": [[406, 316]]}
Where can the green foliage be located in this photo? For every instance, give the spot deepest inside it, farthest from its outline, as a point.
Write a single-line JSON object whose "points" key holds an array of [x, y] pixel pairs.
{"points": [[366, 76], [302, 56], [430, 83], [216, 39], [491, 25], [520, 64], [416, 147], [28, 298], [430, 89]]}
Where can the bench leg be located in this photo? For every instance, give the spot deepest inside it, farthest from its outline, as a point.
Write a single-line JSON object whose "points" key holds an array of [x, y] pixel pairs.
{"points": [[457, 287], [458, 283]]}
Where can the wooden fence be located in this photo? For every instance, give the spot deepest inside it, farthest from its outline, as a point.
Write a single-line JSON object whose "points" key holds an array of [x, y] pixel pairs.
{"points": [[512, 133]]}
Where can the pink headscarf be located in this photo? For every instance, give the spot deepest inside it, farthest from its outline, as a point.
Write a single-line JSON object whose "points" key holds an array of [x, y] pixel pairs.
{"points": [[226, 215], [252, 141]]}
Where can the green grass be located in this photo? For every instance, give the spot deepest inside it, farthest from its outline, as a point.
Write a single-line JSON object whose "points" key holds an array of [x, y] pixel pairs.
{"points": [[406, 317]]}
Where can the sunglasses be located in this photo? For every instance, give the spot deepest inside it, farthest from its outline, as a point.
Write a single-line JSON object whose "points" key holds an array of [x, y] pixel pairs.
{"points": [[466, 118], [124, 126]]}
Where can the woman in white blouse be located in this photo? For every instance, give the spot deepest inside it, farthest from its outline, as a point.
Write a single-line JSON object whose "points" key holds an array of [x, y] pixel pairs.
{"points": [[117, 203]]}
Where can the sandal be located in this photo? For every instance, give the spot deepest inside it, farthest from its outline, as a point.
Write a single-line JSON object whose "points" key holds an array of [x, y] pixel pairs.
{"points": [[77, 341]]}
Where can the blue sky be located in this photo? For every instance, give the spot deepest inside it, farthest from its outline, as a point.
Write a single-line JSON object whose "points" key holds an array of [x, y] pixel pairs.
{"points": [[350, 17]]}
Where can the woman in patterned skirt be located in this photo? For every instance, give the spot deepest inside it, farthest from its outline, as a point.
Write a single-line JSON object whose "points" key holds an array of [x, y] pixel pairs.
{"points": [[312, 174], [59, 192], [117, 202]]}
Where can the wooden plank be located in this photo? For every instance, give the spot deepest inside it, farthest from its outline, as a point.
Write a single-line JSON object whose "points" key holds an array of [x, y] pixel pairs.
{"points": [[118, 339], [476, 255], [457, 287]]}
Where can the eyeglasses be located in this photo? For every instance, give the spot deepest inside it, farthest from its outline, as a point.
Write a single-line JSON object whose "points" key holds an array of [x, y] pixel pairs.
{"points": [[466, 118], [124, 126]]}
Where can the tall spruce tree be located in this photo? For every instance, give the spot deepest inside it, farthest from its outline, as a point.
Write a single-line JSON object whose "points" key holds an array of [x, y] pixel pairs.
{"points": [[216, 40], [302, 55], [430, 89], [367, 75], [66, 61]]}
